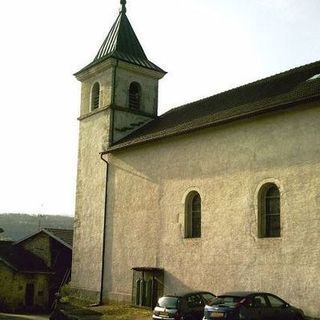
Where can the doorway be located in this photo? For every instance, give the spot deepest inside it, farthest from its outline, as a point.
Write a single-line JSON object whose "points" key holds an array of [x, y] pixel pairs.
{"points": [[147, 286], [29, 296]]}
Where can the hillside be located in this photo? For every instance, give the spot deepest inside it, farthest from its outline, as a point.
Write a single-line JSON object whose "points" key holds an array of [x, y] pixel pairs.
{"points": [[17, 226]]}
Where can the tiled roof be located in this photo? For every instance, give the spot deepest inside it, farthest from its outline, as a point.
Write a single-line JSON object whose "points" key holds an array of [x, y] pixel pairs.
{"points": [[269, 94], [19, 259], [123, 44], [66, 235]]}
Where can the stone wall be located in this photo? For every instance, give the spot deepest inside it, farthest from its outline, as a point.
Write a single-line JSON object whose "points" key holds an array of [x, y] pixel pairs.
{"points": [[39, 245], [13, 288], [148, 185]]}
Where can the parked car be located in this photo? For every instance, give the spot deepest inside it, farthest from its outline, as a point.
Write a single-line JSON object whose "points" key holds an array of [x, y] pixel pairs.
{"points": [[249, 306], [188, 306]]}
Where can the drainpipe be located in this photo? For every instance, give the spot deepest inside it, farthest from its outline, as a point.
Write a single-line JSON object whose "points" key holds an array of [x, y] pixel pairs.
{"points": [[104, 228], [107, 176]]}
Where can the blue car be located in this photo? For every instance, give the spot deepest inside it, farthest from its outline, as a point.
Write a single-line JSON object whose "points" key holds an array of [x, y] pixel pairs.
{"points": [[250, 306]]}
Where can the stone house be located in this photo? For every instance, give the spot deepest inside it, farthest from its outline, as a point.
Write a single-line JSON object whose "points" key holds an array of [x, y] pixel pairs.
{"points": [[220, 194], [33, 269]]}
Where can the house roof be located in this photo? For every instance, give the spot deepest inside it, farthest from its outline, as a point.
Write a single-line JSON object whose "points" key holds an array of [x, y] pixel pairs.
{"points": [[64, 236], [19, 259], [270, 94], [122, 43]]}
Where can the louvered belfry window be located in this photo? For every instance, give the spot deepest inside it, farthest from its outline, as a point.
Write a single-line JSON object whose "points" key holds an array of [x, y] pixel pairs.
{"points": [[134, 96], [269, 211], [95, 96]]}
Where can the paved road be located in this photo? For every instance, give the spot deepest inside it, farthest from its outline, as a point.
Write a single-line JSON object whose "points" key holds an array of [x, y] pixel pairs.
{"points": [[7, 316]]}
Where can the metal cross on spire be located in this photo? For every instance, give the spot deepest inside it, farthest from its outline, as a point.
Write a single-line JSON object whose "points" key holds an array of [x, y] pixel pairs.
{"points": [[123, 3]]}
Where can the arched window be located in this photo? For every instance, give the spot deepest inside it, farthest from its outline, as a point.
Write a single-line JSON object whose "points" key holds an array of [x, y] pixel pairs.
{"points": [[95, 96], [193, 215], [134, 96], [269, 211]]}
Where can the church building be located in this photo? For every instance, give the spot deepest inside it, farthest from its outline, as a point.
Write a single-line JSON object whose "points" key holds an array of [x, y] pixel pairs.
{"points": [[221, 194]]}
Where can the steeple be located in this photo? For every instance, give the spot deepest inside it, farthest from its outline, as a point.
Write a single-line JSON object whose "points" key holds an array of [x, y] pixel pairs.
{"points": [[121, 83], [122, 43], [119, 95]]}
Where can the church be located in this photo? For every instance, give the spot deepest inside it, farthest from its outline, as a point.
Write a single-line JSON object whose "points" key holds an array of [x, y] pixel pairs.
{"points": [[221, 194]]}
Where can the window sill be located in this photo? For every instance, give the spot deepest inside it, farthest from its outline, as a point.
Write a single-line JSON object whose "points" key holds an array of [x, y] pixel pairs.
{"points": [[269, 238], [93, 112], [192, 239]]}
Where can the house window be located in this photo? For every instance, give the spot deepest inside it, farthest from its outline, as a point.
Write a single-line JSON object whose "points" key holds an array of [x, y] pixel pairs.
{"points": [[269, 211], [193, 215], [134, 96], [95, 96]]}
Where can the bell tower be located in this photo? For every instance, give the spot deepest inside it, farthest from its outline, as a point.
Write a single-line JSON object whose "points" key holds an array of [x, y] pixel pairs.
{"points": [[122, 79], [119, 94]]}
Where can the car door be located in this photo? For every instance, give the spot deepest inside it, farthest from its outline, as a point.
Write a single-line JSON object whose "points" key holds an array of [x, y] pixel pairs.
{"points": [[195, 307], [256, 308], [280, 310]]}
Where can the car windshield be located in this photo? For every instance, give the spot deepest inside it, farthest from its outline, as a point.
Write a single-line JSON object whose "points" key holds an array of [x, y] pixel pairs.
{"points": [[168, 302], [208, 297], [229, 301]]}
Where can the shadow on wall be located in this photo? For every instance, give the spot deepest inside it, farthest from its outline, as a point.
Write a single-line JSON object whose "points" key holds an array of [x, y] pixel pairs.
{"points": [[173, 285]]}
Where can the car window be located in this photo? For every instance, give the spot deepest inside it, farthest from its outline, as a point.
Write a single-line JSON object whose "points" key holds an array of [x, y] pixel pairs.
{"points": [[168, 302], [258, 301], [208, 297], [225, 300], [275, 302], [194, 301]]}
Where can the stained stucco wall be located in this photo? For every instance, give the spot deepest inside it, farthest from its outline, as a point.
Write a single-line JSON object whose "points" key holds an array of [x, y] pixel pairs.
{"points": [[90, 194], [94, 136], [226, 165], [104, 78], [126, 120], [148, 82], [13, 288]]}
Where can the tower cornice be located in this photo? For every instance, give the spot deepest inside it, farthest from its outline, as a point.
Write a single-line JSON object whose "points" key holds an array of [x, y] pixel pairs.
{"points": [[91, 71]]}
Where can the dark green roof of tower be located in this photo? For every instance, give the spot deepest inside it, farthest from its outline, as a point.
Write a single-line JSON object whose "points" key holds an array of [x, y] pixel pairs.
{"points": [[123, 44]]}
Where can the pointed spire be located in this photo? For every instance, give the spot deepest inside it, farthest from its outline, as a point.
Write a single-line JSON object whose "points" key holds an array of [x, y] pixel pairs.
{"points": [[122, 44], [123, 3]]}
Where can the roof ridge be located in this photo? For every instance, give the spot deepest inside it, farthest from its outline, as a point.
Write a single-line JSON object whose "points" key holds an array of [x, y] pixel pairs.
{"points": [[259, 81], [276, 92], [105, 47], [57, 229]]}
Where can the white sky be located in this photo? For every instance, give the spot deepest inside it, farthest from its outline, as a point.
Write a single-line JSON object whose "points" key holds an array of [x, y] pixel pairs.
{"points": [[207, 46]]}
